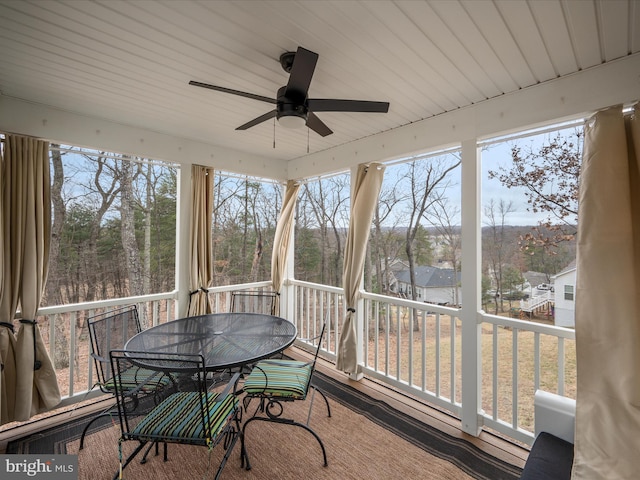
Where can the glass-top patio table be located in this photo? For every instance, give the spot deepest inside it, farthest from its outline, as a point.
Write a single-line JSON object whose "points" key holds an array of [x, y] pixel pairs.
{"points": [[225, 340]]}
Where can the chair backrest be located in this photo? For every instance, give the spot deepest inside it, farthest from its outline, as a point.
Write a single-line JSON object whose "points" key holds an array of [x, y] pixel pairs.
{"points": [[319, 338], [254, 302], [186, 392], [110, 331]]}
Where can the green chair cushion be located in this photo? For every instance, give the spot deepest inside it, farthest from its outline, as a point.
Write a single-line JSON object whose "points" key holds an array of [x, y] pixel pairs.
{"points": [[133, 376], [238, 348], [180, 418], [279, 378]]}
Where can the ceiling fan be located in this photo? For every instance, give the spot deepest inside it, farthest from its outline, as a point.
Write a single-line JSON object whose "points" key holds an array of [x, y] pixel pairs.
{"points": [[293, 107]]}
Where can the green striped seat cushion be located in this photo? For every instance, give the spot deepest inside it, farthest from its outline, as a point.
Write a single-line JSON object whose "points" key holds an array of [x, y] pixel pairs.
{"points": [[279, 378], [236, 349], [133, 376], [179, 417]]}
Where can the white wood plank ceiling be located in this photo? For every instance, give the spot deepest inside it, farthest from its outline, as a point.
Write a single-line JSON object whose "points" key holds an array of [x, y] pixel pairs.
{"points": [[131, 61]]}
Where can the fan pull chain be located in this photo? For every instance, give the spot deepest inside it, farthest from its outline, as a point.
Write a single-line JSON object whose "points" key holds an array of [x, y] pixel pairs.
{"points": [[308, 139], [274, 132]]}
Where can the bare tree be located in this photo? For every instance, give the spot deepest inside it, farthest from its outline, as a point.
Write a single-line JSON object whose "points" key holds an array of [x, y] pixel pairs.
{"points": [[53, 293], [427, 179], [384, 241], [550, 176], [445, 217], [265, 209], [329, 204], [225, 191], [104, 190], [126, 175], [495, 247]]}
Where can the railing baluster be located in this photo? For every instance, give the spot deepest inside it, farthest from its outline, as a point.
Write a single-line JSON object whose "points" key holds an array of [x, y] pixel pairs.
{"points": [[514, 381], [410, 369], [52, 333], [73, 354], [452, 336], [438, 333], [423, 351], [560, 366], [536, 360], [398, 348], [494, 373]]}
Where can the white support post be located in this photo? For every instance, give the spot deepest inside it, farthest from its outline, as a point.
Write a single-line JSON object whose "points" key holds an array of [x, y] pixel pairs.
{"points": [[471, 292], [183, 227]]}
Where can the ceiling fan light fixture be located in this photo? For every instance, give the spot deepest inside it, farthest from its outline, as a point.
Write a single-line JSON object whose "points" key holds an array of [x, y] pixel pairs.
{"points": [[292, 121]]}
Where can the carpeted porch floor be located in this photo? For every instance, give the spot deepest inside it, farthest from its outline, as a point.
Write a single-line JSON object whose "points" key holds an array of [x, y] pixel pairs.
{"points": [[364, 438]]}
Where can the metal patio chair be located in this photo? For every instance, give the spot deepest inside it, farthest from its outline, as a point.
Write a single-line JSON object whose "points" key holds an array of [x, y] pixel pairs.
{"points": [[190, 414], [245, 301], [274, 382], [109, 331]]}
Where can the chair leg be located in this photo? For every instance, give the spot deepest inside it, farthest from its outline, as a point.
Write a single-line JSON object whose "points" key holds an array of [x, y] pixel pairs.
{"points": [[106, 413], [227, 453], [129, 458], [144, 457], [313, 395], [285, 421], [326, 401]]}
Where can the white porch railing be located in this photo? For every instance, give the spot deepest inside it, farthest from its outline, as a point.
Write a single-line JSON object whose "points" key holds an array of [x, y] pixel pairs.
{"points": [[64, 331], [411, 346], [417, 348], [537, 301], [524, 356]]}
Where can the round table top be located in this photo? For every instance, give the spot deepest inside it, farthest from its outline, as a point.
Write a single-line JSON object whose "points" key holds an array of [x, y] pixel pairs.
{"points": [[225, 340]]}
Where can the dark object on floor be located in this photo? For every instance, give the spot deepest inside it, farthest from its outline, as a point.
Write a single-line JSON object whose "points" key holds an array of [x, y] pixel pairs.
{"points": [[551, 458]]}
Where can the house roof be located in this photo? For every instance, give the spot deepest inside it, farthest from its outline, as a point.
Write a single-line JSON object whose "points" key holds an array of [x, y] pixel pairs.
{"points": [[569, 268], [431, 277], [535, 278]]}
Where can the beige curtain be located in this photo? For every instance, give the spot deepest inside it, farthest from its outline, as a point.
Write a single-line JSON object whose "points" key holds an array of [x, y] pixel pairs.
{"points": [[363, 201], [282, 240], [27, 217], [201, 274], [8, 304], [607, 441]]}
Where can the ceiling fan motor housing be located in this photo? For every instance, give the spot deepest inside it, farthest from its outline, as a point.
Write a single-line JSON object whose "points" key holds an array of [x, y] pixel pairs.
{"points": [[291, 107]]}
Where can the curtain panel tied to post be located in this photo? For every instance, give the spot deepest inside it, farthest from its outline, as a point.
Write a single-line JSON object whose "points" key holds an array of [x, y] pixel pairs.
{"points": [[282, 241], [608, 299], [364, 198], [26, 219], [201, 268]]}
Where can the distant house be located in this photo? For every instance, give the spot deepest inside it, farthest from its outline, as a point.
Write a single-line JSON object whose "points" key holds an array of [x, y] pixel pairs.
{"points": [[565, 296], [533, 279], [433, 285]]}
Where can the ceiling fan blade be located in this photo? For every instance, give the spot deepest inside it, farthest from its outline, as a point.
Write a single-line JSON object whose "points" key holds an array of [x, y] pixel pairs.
{"points": [[258, 120], [334, 105], [304, 64], [317, 125], [234, 92]]}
